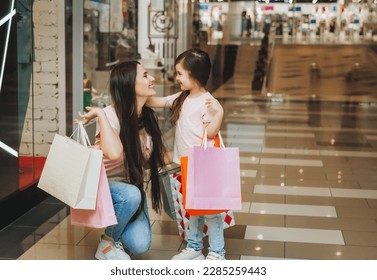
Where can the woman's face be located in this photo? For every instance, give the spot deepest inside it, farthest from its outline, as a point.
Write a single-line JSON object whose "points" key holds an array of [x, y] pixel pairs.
{"points": [[144, 86]]}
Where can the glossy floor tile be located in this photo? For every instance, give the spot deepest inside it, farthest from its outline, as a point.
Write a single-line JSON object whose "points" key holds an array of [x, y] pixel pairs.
{"points": [[294, 235], [308, 160], [292, 190], [293, 210], [295, 162]]}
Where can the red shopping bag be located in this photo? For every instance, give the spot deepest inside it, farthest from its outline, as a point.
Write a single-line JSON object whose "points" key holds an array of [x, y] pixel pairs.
{"points": [[103, 215]]}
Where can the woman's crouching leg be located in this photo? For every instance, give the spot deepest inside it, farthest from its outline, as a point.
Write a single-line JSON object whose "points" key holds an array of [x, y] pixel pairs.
{"points": [[137, 237]]}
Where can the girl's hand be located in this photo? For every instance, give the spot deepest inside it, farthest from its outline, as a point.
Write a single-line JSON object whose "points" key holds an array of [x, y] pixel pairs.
{"points": [[213, 106], [216, 110]]}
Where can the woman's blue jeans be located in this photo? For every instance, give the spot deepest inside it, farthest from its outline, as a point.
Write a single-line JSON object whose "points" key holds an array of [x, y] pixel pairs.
{"points": [[136, 236], [215, 233]]}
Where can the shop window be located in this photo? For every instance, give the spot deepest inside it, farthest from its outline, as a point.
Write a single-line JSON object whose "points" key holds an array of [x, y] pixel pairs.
{"points": [[20, 167], [110, 37]]}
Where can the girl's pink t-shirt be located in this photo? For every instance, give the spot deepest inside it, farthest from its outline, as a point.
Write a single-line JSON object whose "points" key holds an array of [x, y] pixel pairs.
{"points": [[189, 130]]}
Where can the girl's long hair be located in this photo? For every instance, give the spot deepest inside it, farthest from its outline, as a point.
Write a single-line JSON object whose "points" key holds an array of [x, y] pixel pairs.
{"points": [[122, 89], [198, 64]]}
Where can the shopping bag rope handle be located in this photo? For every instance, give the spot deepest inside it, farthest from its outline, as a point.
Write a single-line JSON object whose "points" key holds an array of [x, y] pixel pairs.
{"points": [[82, 136], [205, 136]]}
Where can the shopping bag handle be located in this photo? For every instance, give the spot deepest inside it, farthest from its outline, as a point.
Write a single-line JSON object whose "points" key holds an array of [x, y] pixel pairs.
{"points": [[82, 135], [205, 136]]}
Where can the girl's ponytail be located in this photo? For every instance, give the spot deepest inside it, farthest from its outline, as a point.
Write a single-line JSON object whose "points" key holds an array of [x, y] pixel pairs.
{"points": [[177, 106]]}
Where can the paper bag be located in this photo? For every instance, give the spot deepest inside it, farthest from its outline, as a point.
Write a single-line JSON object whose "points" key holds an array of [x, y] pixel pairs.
{"points": [[71, 172], [104, 214], [213, 178], [183, 217]]}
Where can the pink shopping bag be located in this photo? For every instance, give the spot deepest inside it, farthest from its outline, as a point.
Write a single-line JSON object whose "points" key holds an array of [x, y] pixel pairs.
{"points": [[213, 178], [183, 217], [104, 214]]}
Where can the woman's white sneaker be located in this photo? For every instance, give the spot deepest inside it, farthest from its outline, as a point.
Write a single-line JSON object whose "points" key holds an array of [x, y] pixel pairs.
{"points": [[110, 250], [189, 254]]}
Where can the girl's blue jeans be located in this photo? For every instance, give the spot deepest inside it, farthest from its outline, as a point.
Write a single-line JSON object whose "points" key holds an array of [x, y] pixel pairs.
{"points": [[136, 236], [215, 233]]}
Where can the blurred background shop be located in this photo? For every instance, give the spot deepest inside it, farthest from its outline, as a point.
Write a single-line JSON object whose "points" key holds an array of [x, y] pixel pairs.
{"points": [[56, 56], [336, 21]]}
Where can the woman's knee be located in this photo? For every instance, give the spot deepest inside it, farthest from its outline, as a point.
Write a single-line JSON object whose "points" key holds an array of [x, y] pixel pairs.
{"points": [[138, 235], [139, 242], [139, 246], [125, 193]]}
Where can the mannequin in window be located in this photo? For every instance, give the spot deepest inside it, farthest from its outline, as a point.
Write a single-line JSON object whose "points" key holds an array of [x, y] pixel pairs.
{"points": [[24, 57]]}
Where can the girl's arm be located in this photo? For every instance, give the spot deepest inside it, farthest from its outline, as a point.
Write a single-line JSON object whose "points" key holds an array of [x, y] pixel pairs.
{"points": [[158, 102], [217, 111], [110, 143], [162, 102]]}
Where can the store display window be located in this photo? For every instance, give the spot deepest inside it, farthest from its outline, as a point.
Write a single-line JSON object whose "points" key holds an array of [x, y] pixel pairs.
{"points": [[110, 36], [20, 167]]}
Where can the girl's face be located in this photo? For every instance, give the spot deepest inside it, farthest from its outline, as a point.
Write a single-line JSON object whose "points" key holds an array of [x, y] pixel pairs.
{"points": [[183, 78], [144, 86]]}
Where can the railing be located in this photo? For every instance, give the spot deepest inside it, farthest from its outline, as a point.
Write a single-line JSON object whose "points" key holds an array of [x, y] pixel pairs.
{"points": [[263, 65], [271, 47]]}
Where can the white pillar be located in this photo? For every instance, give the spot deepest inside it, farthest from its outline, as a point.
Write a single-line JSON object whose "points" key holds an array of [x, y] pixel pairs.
{"points": [[77, 57], [142, 40], [61, 66]]}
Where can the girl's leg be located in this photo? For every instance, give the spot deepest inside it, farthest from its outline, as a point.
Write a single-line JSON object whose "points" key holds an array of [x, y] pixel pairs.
{"points": [[126, 200], [215, 234], [193, 250], [195, 233], [137, 236]]}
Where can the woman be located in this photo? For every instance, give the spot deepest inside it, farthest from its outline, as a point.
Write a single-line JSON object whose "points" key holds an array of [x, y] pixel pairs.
{"points": [[130, 138]]}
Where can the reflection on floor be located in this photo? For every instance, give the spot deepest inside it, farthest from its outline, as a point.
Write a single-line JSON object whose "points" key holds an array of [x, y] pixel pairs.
{"points": [[309, 185]]}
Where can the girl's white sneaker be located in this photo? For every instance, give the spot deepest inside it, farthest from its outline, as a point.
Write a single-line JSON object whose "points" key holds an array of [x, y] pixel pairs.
{"points": [[214, 256], [189, 254]]}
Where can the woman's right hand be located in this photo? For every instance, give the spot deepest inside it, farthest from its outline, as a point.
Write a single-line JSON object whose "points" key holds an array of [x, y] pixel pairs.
{"points": [[91, 114]]}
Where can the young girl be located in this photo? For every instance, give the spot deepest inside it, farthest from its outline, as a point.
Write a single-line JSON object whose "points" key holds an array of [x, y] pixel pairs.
{"points": [[193, 110]]}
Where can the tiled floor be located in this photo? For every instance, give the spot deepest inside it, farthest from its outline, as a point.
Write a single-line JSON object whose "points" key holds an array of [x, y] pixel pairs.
{"points": [[309, 182]]}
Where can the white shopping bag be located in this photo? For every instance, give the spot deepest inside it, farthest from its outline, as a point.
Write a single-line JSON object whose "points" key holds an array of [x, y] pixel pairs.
{"points": [[71, 172]]}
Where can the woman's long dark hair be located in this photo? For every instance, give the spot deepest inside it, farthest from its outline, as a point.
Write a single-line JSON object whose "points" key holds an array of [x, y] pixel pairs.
{"points": [[122, 89], [198, 64]]}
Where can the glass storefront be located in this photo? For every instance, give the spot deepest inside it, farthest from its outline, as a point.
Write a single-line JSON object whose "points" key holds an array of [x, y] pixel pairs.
{"points": [[19, 165], [109, 37], [37, 87], [9, 136], [21, 162]]}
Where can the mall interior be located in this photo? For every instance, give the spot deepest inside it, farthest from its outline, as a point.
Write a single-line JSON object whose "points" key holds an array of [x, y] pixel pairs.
{"points": [[298, 83]]}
